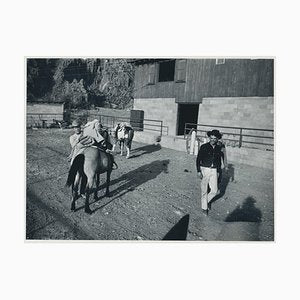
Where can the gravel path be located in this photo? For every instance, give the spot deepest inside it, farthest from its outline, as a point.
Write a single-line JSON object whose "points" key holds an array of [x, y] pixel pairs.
{"points": [[154, 195]]}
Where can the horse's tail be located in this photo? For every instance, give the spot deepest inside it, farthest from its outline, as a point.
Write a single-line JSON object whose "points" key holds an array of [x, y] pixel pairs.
{"points": [[75, 167]]}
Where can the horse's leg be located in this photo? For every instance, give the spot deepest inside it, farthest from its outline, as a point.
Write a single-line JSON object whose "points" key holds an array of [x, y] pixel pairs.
{"points": [[128, 152], [83, 182], [75, 191], [97, 187], [122, 147], [107, 182], [89, 186]]}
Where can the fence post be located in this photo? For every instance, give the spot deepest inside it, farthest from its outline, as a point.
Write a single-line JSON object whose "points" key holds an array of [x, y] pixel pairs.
{"points": [[161, 127], [193, 139], [241, 138]]}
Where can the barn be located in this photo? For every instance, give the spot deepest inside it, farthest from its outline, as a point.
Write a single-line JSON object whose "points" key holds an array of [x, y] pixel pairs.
{"points": [[44, 114], [235, 96], [228, 92]]}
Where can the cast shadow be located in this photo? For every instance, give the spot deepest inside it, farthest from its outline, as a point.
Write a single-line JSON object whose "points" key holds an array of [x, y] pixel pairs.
{"points": [[226, 177], [245, 213], [145, 150], [179, 231], [133, 179]]}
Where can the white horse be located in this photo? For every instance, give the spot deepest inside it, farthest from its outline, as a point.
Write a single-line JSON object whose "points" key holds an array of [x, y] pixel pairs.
{"points": [[123, 133]]}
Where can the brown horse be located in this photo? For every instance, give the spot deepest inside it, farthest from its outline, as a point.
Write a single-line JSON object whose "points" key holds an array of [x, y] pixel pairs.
{"points": [[86, 168]]}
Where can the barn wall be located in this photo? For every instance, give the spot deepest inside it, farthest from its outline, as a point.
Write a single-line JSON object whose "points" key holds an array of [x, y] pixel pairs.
{"points": [[235, 78], [159, 109], [252, 157], [45, 108], [47, 112], [157, 90], [251, 112]]}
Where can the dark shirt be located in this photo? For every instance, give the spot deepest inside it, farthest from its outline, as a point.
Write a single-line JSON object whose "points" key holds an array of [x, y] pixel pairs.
{"points": [[209, 156]]}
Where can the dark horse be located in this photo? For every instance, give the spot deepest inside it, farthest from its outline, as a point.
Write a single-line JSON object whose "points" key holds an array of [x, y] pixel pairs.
{"points": [[86, 168]]}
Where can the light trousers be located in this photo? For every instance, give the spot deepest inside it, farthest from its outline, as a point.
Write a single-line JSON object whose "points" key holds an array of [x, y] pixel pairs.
{"points": [[210, 177]]}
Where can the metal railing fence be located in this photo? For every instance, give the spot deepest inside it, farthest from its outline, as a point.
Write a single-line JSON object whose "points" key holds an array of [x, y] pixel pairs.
{"points": [[43, 120], [255, 138]]}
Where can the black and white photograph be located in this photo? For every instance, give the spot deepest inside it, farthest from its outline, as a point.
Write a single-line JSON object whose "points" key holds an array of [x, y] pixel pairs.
{"points": [[147, 150], [150, 149]]}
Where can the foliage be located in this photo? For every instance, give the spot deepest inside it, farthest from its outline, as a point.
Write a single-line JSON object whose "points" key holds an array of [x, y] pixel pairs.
{"points": [[117, 81], [40, 78], [75, 94], [81, 82]]}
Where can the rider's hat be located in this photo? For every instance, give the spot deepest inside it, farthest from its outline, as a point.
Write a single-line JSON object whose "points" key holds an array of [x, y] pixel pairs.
{"points": [[215, 132], [76, 123]]}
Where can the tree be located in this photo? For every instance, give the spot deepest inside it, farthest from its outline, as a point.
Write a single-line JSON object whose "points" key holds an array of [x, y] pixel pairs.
{"points": [[40, 77], [81, 82], [75, 94], [116, 83]]}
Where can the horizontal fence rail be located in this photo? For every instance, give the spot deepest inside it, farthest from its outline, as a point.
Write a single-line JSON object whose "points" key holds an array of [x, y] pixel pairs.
{"points": [[138, 125], [254, 138], [43, 120]]}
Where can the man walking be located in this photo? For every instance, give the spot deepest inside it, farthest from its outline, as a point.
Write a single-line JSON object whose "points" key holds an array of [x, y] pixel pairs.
{"points": [[207, 163]]}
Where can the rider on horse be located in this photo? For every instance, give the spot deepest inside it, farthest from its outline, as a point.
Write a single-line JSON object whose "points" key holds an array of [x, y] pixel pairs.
{"points": [[93, 134]]}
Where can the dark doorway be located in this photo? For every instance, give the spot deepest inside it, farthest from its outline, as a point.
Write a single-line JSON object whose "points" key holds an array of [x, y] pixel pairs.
{"points": [[187, 113], [166, 71]]}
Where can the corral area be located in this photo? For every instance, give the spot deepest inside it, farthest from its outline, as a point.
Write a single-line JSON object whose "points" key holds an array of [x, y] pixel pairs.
{"points": [[154, 195]]}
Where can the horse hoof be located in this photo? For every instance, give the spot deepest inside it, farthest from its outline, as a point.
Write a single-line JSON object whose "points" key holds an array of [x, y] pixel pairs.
{"points": [[88, 211]]}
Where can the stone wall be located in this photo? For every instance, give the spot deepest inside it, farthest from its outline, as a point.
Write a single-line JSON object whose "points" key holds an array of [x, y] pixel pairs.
{"points": [[253, 157], [245, 112], [164, 109], [251, 112]]}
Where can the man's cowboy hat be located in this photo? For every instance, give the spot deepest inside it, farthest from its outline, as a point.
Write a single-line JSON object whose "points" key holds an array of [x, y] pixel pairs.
{"points": [[215, 132], [76, 123]]}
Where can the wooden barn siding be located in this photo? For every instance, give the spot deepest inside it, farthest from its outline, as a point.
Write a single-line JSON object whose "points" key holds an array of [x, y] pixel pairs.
{"points": [[158, 90], [235, 78]]}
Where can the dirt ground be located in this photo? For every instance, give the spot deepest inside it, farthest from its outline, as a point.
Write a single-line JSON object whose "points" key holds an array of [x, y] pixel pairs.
{"points": [[155, 195]]}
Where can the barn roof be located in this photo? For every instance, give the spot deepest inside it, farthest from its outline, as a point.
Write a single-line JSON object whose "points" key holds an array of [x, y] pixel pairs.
{"points": [[45, 102], [140, 61]]}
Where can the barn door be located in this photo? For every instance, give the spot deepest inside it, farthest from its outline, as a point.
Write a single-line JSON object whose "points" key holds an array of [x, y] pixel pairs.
{"points": [[188, 113], [180, 70], [151, 74]]}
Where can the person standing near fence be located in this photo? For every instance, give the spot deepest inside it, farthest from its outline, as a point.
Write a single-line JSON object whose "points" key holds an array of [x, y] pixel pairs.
{"points": [[207, 163]]}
